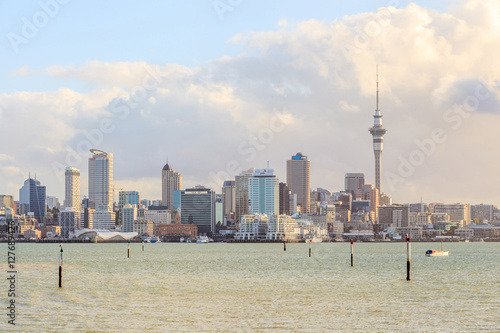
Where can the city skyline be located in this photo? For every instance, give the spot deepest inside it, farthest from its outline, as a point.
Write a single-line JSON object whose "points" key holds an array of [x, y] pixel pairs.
{"points": [[299, 82]]}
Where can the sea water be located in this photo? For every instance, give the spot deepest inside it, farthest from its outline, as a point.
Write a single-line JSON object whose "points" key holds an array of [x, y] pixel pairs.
{"points": [[220, 287]]}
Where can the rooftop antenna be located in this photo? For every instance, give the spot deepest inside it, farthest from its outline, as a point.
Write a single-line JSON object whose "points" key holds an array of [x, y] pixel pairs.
{"points": [[267, 164]]}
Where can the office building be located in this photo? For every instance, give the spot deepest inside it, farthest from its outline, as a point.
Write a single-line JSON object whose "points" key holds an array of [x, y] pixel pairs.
{"points": [[354, 182], [394, 216], [284, 202], [129, 215], [6, 201], [456, 212], [241, 192], [158, 215], [69, 221], [370, 192], [103, 218], [72, 188], [228, 197], [33, 198], [298, 180], [482, 212], [170, 181], [263, 192], [100, 179], [198, 208]]}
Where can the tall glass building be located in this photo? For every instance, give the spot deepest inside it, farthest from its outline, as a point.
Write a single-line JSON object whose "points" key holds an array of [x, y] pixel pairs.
{"points": [[263, 192], [198, 207], [100, 179], [32, 198]]}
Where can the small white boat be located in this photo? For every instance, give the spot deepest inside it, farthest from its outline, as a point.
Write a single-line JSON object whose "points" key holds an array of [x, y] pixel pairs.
{"points": [[436, 253], [202, 240]]}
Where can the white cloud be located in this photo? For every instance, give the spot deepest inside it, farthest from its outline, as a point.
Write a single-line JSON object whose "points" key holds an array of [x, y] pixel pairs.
{"points": [[322, 76]]}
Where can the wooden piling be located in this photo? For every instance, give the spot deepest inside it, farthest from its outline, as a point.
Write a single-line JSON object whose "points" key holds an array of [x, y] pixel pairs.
{"points": [[60, 265], [408, 259], [352, 253]]}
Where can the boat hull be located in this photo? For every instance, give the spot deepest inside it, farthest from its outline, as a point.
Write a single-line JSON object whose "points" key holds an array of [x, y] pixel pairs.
{"points": [[434, 253]]}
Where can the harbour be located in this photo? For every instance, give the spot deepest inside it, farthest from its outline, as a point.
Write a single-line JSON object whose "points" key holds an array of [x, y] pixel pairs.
{"points": [[222, 287]]}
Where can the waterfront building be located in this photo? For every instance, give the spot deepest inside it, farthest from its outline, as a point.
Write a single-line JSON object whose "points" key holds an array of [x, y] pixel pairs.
{"points": [[198, 208], [143, 227], [100, 179], [33, 198], [354, 182], [456, 212], [170, 181], [158, 216], [482, 212], [394, 216], [177, 230], [253, 226], [241, 192], [263, 192], [219, 210], [72, 188], [282, 226], [298, 180], [377, 131]]}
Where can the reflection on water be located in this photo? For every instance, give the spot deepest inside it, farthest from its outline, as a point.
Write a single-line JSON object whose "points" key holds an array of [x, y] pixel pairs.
{"points": [[244, 287]]}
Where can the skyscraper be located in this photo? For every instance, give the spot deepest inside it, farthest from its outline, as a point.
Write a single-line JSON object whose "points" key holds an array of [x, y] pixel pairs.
{"points": [[100, 179], [298, 180], [170, 181], [129, 215], [228, 197], [263, 192], [241, 191], [72, 188], [353, 182], [377, 132], [284, 194], [198, 207], [32, 198]]}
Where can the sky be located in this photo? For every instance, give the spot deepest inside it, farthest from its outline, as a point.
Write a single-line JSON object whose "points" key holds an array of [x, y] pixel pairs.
{"points": [[217, 87]]}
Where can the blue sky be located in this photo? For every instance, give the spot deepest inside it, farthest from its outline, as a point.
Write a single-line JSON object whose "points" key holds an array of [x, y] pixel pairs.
{"points": [[225, 77], [189, 33]]}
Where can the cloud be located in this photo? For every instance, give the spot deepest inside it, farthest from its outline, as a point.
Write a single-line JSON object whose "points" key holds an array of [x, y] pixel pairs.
{"points": [[306, 87]]}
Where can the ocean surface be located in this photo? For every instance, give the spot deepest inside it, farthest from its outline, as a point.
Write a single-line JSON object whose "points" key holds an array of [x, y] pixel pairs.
{"points": [[221, 287]]}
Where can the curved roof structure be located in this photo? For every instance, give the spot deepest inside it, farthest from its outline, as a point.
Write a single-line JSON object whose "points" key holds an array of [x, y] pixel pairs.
{"points": [[105, 234], [98, 152]]}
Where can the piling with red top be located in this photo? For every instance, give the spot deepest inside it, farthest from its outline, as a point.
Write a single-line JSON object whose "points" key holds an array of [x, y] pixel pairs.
{"points": [[128, 250], [352, 253], [310, 241], [284, 242]]}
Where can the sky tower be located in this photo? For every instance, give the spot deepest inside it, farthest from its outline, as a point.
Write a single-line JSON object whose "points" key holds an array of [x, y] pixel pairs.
{"points": [[378, 131]]}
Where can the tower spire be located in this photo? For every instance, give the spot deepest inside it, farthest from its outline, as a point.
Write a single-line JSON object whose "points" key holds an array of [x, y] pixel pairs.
{"points": [[377, 131], [377, 88]]}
